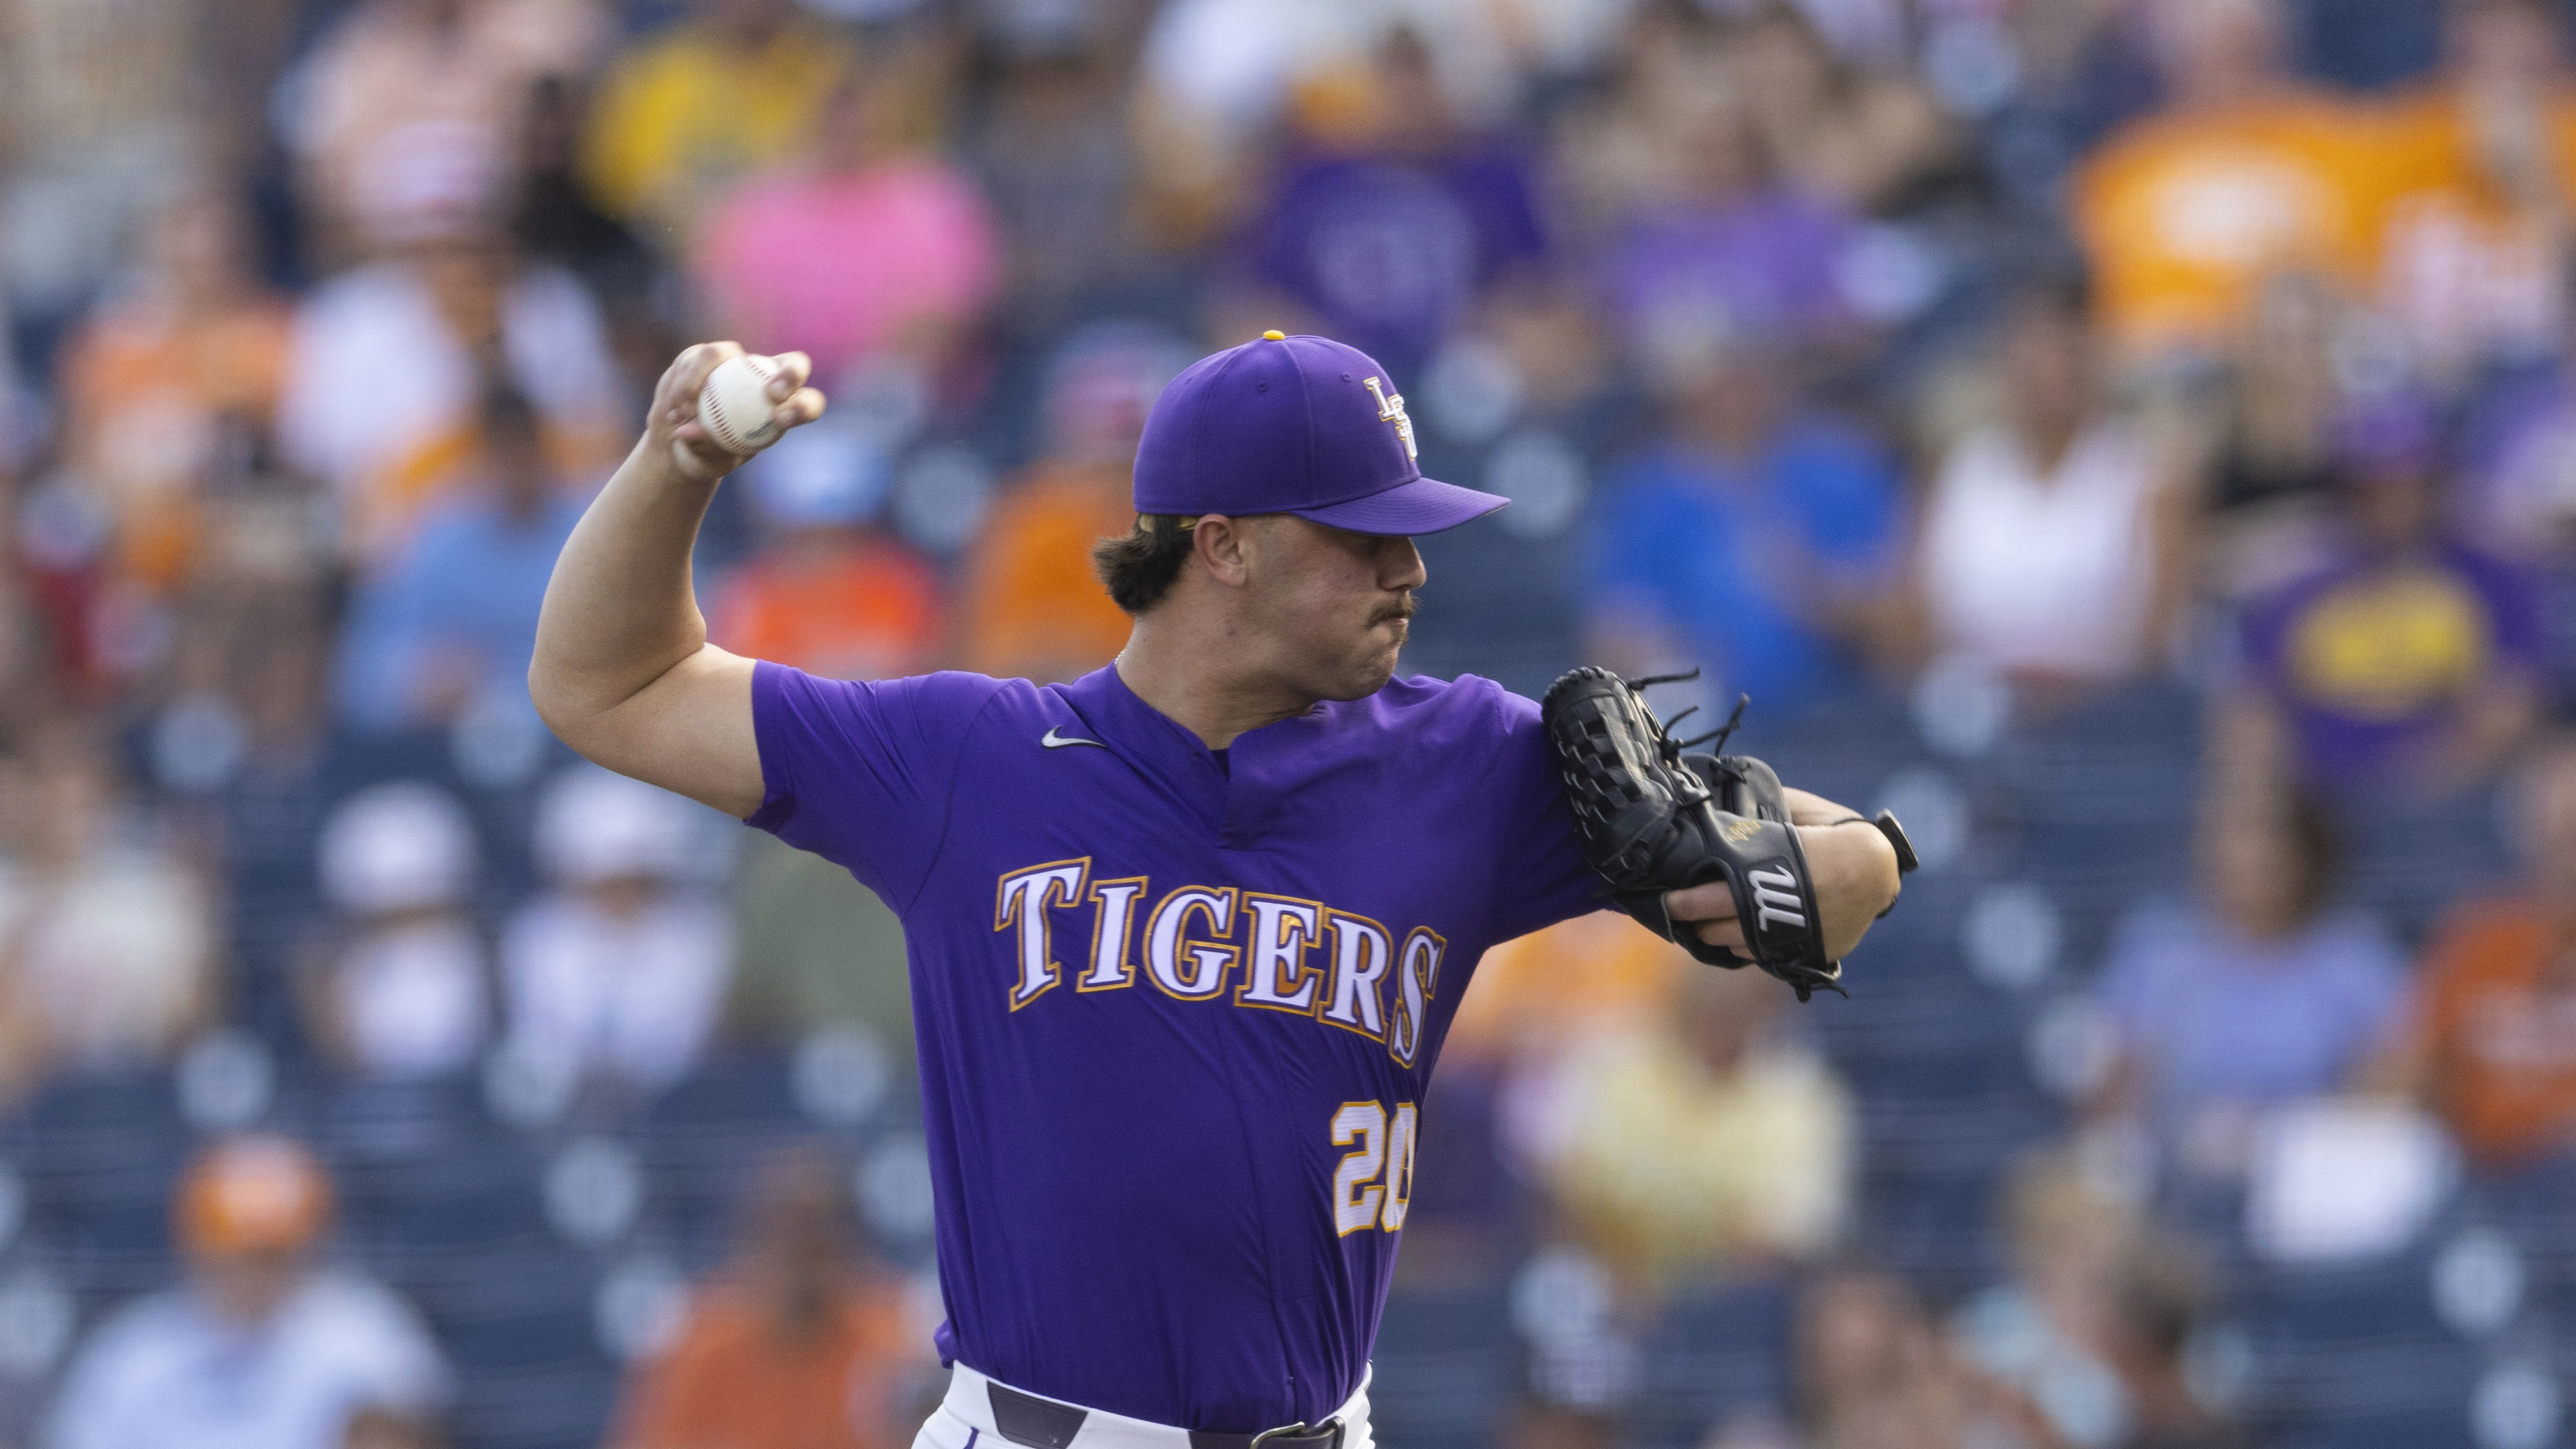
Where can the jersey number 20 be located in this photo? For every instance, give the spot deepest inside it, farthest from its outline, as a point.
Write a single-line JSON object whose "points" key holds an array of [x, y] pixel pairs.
{"points": [[1374, 1185]]}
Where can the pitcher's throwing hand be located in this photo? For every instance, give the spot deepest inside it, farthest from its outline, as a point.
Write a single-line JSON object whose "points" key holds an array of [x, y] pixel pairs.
{"points": [[676, 423]]}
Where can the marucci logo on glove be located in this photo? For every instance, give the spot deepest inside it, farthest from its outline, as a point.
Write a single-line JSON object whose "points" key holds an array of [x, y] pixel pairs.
{"points": [[1776, 891]]}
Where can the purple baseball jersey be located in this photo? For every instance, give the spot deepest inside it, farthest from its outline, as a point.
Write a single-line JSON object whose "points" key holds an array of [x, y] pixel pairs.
{"points": [[1176, 1007]]}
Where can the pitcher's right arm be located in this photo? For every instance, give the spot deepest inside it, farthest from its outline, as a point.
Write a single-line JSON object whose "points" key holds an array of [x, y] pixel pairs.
{"points": [[623, 671]]}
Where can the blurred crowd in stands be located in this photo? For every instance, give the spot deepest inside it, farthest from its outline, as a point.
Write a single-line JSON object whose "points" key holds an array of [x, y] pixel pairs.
{"points": [[2134, 438]]}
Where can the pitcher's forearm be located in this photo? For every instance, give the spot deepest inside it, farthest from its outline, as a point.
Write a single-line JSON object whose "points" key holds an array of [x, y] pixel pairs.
{"points": [[621, 610], [623, 671]]}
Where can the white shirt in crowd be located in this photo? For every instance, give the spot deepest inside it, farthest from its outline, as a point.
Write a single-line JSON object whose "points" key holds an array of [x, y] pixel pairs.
{"points": [[635, 996], [168, 1374], [113, 958], [413, 999], [376, 371], [2043, 573]]}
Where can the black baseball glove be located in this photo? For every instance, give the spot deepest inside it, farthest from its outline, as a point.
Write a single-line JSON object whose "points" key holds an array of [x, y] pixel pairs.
{"points": [[1654, 820]]}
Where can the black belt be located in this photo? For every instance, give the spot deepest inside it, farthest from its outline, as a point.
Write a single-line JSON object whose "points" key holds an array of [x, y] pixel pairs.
{"points": [[1037, 1423]]}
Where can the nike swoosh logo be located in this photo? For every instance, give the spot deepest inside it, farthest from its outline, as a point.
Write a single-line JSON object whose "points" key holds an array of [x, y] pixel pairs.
{"points": [[1054, 741]]}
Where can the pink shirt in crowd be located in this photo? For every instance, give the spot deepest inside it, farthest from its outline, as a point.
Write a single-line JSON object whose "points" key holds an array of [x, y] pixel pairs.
{"points": [[836, 265]]}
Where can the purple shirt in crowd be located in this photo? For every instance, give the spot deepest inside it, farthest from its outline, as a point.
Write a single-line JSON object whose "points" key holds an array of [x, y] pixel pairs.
{"points": [[1176, 1009], [2221, 1019], [1391, 253], [2370, 660], [1768, 263]]}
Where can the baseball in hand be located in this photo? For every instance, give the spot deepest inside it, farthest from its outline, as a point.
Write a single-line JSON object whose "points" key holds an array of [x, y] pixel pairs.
{"points": [[735, 406]]}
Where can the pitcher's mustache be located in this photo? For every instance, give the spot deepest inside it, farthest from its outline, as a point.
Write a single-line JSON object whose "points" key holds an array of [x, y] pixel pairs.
{"points": [[1404, 608]]}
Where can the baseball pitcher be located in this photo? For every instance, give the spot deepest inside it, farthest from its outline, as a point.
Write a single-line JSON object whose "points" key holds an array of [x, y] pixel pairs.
{"points": [[1186, 933]]}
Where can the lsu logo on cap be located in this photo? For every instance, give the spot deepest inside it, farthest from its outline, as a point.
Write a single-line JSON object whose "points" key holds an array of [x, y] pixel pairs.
{"points": [[1390, 409]]}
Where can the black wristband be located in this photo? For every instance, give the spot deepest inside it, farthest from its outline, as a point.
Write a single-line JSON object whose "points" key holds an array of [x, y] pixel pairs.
{"points": [[1906, 860]]}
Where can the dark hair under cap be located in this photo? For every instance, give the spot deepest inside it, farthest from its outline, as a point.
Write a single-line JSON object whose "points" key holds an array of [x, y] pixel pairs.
{"points": [[1138, 566]]}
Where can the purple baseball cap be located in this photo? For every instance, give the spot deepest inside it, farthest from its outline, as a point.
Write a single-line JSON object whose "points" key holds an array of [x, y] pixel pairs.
{"points": [[1301, 425]]}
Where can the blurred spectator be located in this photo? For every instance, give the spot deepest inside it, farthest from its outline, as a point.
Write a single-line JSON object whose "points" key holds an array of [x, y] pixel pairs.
{"points": [[2407, 661], [618, 970], [2052, 1329], [1467, 1215], [1534, 1000], [452, 619], [1399, 217], [2162, 1301], [1623, 146], [162, 377], [2078, 72], [2476, 252], [404, 992], [1581, 1364], [17, 404], [1755, 536], [1870, 1373], [559, 221], [875, 251], [407, 122], [263, 1345], [33, 666], [2272, 439], [805, 1342], [2493, 1045], [2520, 503], [826, 592], [1559, 359], [1708, 1145], [97, 125], [1033, 607], [1729, 247], [266, 537], [107, 944], [95, 635], [1533, 1425], [818, 950], [2086, 1345], [1231, 68], [2254, 993], [1051, 149], [684, 116], [1217, 78], [384, 1429], [392, 361], [2055, 545], [254, 756], [2243, 176], [1871, 138]]}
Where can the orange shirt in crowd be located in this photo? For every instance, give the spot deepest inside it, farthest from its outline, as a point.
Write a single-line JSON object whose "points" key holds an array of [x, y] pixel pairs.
{"points": [[1035, 609], [1590, 976], [2185, 215], [2465, 266], [849, 607], [143, 393], [730, 1383], [2499, 1040]]}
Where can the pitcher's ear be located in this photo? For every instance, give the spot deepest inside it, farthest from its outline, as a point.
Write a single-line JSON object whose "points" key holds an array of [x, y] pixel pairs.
{"points": [[1222, 544]]}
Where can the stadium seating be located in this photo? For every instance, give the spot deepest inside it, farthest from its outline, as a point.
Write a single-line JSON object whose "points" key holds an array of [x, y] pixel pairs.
{"points": [[1446, 1363], [1715, 1354], [2354, 1357]]}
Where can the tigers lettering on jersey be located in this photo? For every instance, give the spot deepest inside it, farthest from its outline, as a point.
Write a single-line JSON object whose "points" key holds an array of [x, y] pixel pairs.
{"points": [[1279, 953]]}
